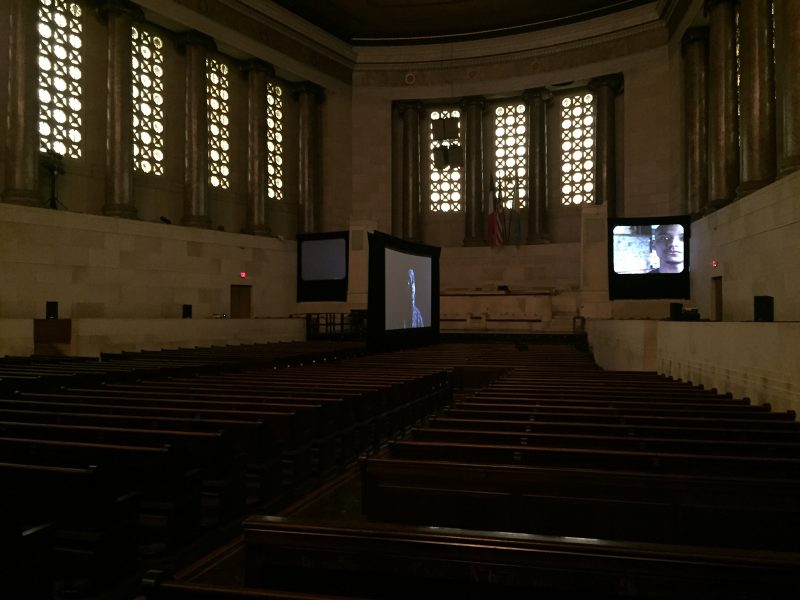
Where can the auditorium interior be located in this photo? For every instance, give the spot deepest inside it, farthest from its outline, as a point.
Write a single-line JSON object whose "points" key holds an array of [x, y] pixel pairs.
{"points": [[181, 420]]}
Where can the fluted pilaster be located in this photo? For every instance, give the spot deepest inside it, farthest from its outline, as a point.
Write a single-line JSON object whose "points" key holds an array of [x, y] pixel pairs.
{"points": [[257, 73], [787, 51], [537, 101], [411, 171], [695, 108], [309, 98], [756, 96], [22, 136], [605, 182], [723, 123], [195, 207], [120, 16], [473, 170]]}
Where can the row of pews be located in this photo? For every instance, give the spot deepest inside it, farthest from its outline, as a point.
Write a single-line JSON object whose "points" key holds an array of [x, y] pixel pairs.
{"points": [[131, 460], [549, 478]]}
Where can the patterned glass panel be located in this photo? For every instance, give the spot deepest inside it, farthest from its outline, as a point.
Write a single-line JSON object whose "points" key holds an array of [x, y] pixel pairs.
{"points": [[217, 90], [274, 142], [510, 154], [446, 160], [577, 150], [60, 72], [148, 102]]}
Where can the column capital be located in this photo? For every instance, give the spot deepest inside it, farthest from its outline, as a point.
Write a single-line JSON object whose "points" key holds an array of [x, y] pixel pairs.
{"points": [[307, 87], [710, 4], [258, 66], [541, 93], [614, 81], [195, 38], [408, 105], [479, 101], [694, 35], [117, 7]]}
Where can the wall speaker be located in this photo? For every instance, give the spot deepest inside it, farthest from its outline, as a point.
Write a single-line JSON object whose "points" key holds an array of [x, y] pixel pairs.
{"points": [[186, 313], [763, 308], [675, 311], [51, 310]]}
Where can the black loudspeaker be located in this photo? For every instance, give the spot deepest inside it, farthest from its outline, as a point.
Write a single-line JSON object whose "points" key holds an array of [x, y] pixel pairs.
{"points": [[675, 311], [187, 311], [763, 308], [51, 310]]}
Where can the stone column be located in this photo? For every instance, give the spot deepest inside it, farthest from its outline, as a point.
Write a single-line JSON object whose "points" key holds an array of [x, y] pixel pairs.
{"points": [[537, 101], [723, 123], [756, 95], [195, 207], [397, 169], [309, 97], [257, 73], [605, 90], [787, 51], [22, 136], [120, 16], [695, 108], [472, 108], [411, 177]]}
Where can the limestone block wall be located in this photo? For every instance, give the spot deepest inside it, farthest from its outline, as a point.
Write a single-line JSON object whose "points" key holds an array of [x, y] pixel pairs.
{"points": [[521, 268], [756, 243], [90, 337], [628, 345], [101, 267], [16, 337], [758, 360]]}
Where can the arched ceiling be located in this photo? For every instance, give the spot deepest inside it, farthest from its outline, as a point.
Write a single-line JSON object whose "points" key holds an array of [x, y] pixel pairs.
{"points": [[379, 22]]}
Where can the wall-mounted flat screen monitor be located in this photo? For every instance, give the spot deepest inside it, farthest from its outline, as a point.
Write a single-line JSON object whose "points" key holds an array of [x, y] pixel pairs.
{"points": [[403, 291], [322, 267], [648, 257]]}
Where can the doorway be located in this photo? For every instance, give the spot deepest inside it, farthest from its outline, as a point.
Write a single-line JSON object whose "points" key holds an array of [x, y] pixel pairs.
{"points": [[240, 301], [716, 298]]}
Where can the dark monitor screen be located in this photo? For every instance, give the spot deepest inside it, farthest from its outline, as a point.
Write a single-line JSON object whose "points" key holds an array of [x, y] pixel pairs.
{"points": [[322, 267]]}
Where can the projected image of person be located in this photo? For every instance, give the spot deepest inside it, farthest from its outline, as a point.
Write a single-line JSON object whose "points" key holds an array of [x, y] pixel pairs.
{"points": [[414, 318], [668, 245]]}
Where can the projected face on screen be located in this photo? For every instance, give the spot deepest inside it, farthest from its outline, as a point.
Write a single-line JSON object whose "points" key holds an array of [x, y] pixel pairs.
{"points": [[668, 245], [408, 290], [648, 249]]}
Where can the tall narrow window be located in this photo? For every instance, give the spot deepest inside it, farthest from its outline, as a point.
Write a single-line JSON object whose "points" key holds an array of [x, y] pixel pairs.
{"points": [[60, 93], [577, 150], [148, 102], [510, 154], [274, 142], [217, 89], [446, 161]]}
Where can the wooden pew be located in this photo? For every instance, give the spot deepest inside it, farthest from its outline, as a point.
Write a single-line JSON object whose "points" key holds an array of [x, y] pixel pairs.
{"points": [[781, 423], [309, 425], [640, 443], [391, 561], [169, 484], [767, 433], [602, 458], [93, 519], [702, 509]]}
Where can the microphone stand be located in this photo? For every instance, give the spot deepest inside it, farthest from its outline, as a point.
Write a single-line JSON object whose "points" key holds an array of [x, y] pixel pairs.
{"points": [[52, 161]]}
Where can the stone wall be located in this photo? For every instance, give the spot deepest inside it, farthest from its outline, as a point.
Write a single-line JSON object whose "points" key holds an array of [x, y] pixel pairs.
{"points": [[102, 267]]}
